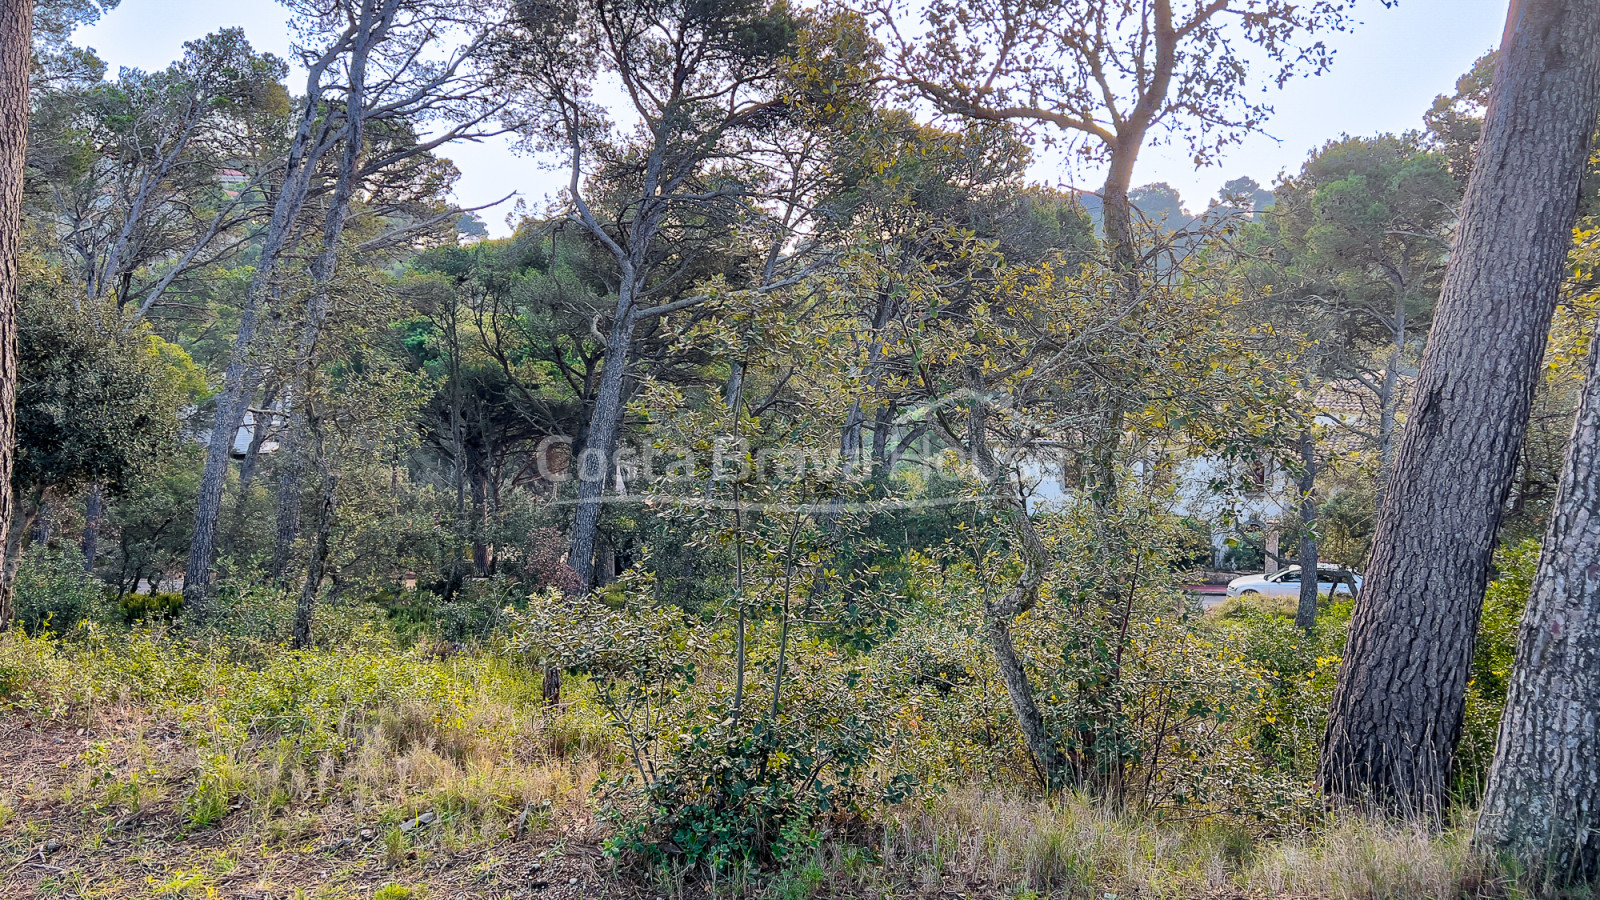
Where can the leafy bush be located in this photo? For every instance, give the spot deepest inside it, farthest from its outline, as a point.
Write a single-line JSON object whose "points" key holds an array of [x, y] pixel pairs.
{"points": [[159, 607], [1492, 659], [720, 777], [1299, 670], [54, 594], [752, 788]]}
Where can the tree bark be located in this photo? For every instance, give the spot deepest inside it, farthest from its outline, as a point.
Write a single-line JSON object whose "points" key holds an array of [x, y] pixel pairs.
{"points": [[1021, 597], [1397, 709], [305, 608], [1305, 615], [16, 57], [1542, 805], [594, 465]]}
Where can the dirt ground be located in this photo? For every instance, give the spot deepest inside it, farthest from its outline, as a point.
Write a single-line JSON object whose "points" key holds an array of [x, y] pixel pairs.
{"points": [[55, 845], [51, 846]]}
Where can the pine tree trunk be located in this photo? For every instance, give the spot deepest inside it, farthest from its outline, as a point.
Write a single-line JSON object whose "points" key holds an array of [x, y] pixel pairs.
{"points": [[16, 53], [317, 565], [1543, 800], [240, 380], [252, 457], [1397, 709], [593, 467]]}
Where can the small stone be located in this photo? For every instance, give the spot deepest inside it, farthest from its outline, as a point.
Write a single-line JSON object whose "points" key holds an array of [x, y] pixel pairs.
{"points": [[427, 818], [367, 834], [52, 845], [572, 881]]}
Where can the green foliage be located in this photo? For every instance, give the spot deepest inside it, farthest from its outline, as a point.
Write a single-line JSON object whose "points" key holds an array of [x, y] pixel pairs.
{"points": [[721, 777], [53, 593], [800, 653], [150, 608], [1299, 671], [96, 402], [750, 790], [1492, 657]]}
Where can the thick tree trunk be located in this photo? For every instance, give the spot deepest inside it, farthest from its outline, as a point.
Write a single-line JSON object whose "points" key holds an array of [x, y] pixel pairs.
{"points": [[1397, 709], [1305, 615], [16, 54], [1543, 800], [594, 465]]}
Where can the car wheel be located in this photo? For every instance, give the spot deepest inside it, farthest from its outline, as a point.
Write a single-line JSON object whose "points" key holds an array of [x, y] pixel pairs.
{"points": [[1245, 594]]}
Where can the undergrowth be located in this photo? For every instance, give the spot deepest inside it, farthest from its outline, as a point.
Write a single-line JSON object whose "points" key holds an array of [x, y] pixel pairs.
{"points": [[286, 750]]}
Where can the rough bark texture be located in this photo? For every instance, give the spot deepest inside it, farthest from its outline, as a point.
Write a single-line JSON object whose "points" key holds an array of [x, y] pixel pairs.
{"points": [[605, 424], [1543, 798], [16, 44], [1397, 710], [317, 565], [16, 48]]}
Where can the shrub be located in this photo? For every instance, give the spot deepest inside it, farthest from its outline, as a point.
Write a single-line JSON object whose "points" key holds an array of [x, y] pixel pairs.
{"points": [[53, 593], [1492, 659], [161, 607], [719, 779]]}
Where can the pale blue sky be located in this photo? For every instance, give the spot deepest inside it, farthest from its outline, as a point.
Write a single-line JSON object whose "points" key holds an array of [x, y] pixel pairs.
{"points": [[1386, 73]]}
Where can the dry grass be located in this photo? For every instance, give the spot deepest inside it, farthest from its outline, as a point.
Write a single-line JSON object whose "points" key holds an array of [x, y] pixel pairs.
{"points": [[306, 777], [977, 844]]}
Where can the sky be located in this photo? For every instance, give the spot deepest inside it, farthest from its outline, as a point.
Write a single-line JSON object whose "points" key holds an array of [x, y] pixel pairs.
{"points": [[1385, 74]]}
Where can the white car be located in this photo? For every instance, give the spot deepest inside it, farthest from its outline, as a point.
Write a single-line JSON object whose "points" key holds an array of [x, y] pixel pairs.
{"points": [[1286, 583]]}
